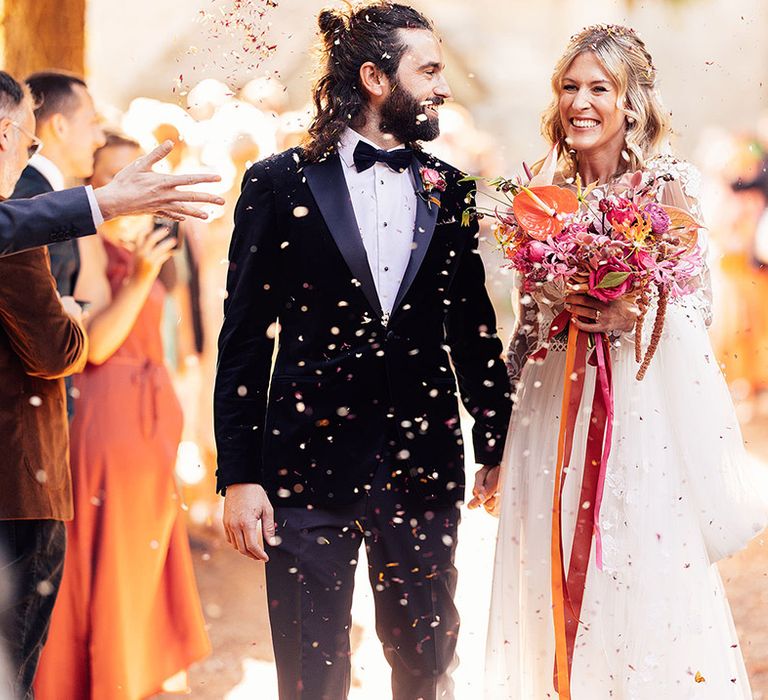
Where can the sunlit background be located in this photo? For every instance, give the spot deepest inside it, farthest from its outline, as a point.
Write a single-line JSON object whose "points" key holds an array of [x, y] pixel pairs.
{"points": [[230, 80]]}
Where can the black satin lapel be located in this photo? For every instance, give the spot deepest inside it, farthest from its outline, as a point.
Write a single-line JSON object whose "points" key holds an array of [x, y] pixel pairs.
{"points": [[424, 228], [329, 188]]}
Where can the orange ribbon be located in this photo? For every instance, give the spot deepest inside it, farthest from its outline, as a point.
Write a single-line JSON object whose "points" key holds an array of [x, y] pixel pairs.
{"points": [[568, 590]]}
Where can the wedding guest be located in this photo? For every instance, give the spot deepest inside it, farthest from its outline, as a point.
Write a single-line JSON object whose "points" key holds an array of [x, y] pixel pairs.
{"points": [[41, 341], [128, 617], [740, 328], [67, 123]]}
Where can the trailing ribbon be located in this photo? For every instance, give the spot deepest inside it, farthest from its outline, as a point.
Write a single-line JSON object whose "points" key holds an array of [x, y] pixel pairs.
{"points": [[568, 590]]}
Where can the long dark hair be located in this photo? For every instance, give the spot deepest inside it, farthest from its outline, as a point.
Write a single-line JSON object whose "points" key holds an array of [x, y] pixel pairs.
{"points": [[350, 39]]}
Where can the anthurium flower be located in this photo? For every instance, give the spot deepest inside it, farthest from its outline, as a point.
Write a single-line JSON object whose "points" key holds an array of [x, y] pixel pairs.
{"points": [[543, 211]]}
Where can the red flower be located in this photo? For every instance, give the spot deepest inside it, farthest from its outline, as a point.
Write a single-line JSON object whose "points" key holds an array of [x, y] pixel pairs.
{"points": [[612, 280], [621, 213]]}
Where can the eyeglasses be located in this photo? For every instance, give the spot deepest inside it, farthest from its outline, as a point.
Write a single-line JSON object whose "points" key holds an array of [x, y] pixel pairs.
{"points": [[36, 144]]}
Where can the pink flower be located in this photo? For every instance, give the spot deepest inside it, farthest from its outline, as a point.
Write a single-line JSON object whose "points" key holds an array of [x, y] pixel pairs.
{"points": [[536, 251], [432, 180], [622, 212], [677, 273], [642, 260], [658, 216], [612, 280]]}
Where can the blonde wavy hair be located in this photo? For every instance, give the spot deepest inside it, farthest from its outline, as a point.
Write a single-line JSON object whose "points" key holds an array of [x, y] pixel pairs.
{"points": [[626, 60]]}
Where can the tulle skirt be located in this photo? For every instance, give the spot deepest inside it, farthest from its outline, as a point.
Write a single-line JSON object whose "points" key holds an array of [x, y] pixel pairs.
{"points": [[680, 493]]}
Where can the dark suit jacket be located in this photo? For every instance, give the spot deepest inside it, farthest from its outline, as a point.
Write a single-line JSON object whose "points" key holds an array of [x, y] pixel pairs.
{"points": [[65, 256], [39, 344], [50, 218], [313, 429]]}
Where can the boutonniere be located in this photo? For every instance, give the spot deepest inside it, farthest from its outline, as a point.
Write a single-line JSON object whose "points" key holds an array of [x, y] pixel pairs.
{"points": [[431, 180]]}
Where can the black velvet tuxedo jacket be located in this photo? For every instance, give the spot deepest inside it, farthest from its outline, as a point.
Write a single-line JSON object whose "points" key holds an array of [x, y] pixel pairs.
{"points": [[312, 427]]}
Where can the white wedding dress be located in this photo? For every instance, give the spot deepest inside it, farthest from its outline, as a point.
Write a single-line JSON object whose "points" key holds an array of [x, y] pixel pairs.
{"points": [[680, 493]]}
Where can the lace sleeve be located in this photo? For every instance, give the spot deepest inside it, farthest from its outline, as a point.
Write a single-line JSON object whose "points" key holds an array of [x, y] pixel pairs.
{"points": [[682, 190], [535, 313], [524, 340]]}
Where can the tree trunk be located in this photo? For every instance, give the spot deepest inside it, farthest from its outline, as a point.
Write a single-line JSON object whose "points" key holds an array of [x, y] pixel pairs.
{"points": [[43, 34]]}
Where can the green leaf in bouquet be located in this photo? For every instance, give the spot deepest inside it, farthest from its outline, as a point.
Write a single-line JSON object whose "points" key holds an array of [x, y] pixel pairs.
{"points": [[613, 279], [473, 178]]}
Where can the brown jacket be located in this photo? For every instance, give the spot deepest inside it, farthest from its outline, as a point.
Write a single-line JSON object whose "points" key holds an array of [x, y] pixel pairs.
{"points": [[39, 345]]}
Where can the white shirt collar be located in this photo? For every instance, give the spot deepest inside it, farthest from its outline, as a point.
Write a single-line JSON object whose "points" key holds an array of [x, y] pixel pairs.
{"points": [[347, 143], [49, 170]]}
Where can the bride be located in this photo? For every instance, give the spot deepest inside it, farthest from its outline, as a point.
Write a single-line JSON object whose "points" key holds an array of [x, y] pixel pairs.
{"points": [[679, 491]]}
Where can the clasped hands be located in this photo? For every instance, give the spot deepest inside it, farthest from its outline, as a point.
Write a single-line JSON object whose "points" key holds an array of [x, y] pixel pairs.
{"points": [[485, 492]]}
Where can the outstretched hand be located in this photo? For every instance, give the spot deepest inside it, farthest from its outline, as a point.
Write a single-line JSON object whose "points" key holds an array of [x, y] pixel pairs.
{"points": [[137, 189], [486, 490], [248, 513]]}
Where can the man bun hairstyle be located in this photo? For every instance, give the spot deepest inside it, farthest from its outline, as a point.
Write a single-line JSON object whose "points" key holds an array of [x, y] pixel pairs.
{"points": [[350, 38], [331, 23]]}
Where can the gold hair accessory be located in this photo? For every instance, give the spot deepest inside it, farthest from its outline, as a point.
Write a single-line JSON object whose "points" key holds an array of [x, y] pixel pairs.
{"points": [[613, 29], [622, 32]]}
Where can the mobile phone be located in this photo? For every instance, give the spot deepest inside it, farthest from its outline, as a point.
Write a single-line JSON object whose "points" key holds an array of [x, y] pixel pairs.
{"points": [[173, 230]]}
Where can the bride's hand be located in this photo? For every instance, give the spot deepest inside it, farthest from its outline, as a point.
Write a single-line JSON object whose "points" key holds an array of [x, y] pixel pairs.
{"points": [[597, 316], [486, 489]]}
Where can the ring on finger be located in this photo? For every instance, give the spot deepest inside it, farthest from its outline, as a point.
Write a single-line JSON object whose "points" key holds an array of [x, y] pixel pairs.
{"points": [[597, 315]]}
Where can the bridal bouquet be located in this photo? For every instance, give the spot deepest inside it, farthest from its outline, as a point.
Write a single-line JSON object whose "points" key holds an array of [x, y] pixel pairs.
{"points": [[608, 242]]}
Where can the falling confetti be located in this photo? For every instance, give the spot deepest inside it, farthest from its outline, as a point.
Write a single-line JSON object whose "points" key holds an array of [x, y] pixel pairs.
{"points": [[242, 24], [45, 588]]}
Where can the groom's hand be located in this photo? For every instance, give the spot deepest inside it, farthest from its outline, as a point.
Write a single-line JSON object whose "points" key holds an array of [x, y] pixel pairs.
{"points": [[246, 511], [486, 490]]}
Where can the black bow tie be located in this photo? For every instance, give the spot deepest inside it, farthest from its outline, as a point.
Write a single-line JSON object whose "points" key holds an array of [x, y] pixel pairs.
{"points": [[366, 156]]}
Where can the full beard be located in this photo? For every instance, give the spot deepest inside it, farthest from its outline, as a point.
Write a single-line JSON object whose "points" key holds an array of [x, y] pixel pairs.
{"points": [[405, 117]]}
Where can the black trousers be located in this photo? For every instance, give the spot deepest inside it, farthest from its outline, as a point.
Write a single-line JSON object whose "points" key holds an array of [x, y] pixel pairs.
{"points": [[310, 578], [33, 556]]}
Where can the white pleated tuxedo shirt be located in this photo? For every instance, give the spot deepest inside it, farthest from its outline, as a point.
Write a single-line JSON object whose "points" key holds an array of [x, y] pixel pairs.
{"points": [[384, 202]]}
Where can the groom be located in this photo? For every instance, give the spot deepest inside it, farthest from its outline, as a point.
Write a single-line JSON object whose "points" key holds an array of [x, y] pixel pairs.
{"points": [[351, 253]]}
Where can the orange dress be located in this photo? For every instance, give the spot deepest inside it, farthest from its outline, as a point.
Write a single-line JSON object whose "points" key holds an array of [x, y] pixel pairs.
{"points": [[128, 615], [740, 324]]}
